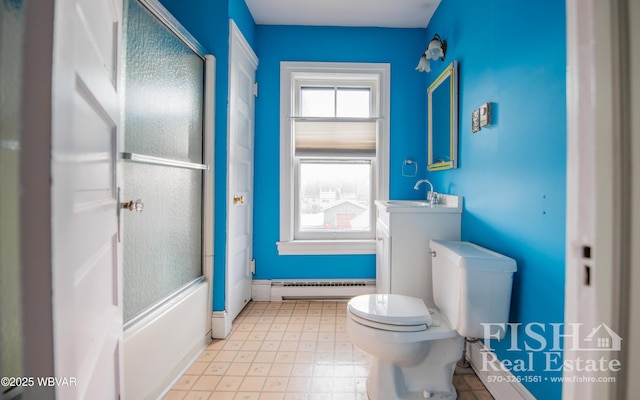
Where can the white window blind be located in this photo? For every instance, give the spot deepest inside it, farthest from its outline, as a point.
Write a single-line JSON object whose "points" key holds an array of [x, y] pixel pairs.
{"points": [[323, 137]]}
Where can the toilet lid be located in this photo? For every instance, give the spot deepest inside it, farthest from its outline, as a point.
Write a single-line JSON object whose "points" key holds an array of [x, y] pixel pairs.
{"points": [[391, 309]]}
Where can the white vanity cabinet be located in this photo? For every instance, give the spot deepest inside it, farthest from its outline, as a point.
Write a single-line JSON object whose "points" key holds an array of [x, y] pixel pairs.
{"points": [[403, 232]]}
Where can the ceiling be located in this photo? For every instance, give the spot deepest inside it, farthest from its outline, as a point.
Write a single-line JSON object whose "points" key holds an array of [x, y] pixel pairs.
{"points": [[380, 13]]}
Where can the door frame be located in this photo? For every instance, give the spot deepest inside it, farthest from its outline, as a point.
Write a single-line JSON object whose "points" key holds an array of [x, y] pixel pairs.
{"points": [[35, 199], [603, 183]]}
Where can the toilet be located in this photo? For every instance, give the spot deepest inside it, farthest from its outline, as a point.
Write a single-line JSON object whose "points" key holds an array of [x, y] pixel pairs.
{"points": [[414, 349]]}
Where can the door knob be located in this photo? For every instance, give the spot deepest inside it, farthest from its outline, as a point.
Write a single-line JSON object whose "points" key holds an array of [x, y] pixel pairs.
{"points": [[238, 199], [136, 206]]}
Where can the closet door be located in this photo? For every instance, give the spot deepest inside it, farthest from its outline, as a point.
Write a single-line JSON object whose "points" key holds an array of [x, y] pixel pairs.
{"points": [[242, 71]]}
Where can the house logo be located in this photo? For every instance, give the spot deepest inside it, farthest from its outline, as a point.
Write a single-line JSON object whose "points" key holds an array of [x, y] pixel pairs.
{"points": [[601, 338], [555, 337], [560, 347]]}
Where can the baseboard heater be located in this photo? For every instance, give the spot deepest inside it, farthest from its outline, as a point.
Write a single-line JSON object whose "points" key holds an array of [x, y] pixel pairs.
{"points": [[320, 289]]}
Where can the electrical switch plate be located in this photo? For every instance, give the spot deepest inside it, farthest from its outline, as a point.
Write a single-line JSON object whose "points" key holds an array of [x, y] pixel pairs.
{"points": [[485, 114], [475, 121]]}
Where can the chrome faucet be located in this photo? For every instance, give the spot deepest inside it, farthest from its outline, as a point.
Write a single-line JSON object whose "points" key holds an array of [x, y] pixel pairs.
{"points": [[432, 197]]}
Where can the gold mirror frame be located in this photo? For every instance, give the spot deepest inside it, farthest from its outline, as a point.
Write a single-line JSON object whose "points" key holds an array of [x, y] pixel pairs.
{"points": [[447, 80]]}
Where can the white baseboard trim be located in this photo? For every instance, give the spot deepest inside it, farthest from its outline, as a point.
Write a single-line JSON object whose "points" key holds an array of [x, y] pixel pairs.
{"points": [[505, 387], [310, 289], [320, 289], [220, 324], [261, 290]]}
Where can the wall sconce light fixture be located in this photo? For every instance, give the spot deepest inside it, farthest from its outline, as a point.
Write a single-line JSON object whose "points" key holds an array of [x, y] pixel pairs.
{"points": [[437, 49]]}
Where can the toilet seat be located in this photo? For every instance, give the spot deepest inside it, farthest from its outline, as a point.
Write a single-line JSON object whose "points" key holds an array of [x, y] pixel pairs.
{"points": [[391, 312], [388, 327]]}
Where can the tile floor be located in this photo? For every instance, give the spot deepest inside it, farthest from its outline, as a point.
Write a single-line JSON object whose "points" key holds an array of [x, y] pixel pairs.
{"points": [[290, 351]]}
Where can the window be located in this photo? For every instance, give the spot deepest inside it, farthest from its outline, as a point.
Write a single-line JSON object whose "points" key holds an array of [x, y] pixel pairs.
{"points": [[334, 152]]}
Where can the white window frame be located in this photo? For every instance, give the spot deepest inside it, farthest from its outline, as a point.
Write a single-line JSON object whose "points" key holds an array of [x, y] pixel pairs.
{"points": [[291, 73]]}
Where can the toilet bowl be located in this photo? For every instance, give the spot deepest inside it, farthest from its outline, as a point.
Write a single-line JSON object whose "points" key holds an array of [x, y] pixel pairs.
{"points": [[414, 349], [398, 332]]}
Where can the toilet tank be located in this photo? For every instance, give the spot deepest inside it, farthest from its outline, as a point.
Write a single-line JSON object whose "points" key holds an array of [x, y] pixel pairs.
{"points": [[471, 286]]}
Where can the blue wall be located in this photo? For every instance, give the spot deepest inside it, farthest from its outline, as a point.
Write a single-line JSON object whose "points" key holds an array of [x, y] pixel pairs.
{"points": [[240, 14], [399, 47], [512, 174], [205, 20]]}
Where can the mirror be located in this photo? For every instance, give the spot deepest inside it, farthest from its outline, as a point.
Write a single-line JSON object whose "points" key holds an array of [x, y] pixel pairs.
{"points": [[442, 139]]}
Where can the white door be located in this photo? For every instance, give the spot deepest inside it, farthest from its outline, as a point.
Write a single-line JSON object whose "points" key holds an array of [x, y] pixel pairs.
{"points": [[602, 190], [87, 311], [242, 71]]}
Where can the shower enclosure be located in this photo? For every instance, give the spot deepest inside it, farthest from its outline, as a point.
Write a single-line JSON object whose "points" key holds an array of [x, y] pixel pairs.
{"points": [[164, 171], [163, 166]]}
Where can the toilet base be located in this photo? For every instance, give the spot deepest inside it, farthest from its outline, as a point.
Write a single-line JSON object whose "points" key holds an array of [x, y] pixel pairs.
{"points": [[432, 378]]}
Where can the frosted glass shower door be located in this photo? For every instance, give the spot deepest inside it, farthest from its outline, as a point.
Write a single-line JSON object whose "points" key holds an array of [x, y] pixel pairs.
{"points": [[163, 162]]}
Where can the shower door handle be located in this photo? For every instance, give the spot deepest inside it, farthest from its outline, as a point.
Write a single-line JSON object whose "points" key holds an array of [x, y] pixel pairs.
{"points": [[136, 206]]}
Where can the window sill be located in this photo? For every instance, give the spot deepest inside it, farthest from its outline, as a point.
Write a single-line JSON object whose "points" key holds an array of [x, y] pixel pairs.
{"points": [[327, 247]]}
